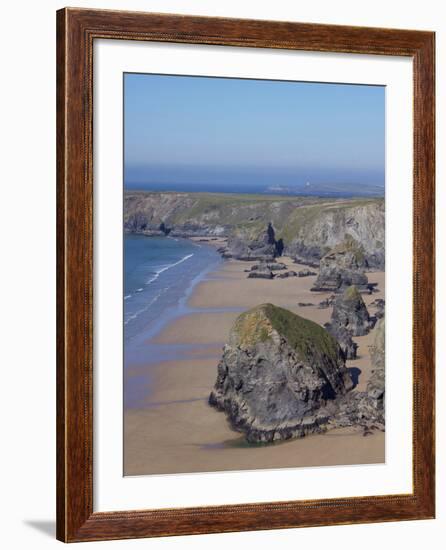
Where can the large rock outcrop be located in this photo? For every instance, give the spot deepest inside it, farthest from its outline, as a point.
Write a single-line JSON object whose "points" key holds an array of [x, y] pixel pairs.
{"points": [[279, 376], [350, 312], [341, 267], [263, 247], [313, 231]]}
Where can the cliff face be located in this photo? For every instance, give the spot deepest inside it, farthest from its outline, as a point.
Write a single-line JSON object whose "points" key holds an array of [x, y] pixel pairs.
{"points": [[305, 227], [324, 227]]}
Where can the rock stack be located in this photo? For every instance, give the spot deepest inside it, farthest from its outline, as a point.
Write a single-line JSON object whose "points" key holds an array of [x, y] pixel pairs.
{"points": [[280, 375], [350, 312], [262, 247], [343, 266]]}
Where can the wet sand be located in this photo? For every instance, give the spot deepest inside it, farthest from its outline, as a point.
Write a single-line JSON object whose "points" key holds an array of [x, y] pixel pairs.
{"points": [[174, 430]]}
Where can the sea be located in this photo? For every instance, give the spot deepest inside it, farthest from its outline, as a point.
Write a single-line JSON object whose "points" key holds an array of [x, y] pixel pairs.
{"points": [[160, 274]]}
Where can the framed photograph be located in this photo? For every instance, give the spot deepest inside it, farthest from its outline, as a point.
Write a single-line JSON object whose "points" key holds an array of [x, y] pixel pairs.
{"points": [[245, 275]]}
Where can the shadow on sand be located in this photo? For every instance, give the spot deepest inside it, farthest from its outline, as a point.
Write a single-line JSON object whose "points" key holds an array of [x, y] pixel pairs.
{"points": [[354, 373]]}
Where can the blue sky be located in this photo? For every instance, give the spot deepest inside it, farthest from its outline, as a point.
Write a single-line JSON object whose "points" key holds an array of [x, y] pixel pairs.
{"points": [[186, 130]]}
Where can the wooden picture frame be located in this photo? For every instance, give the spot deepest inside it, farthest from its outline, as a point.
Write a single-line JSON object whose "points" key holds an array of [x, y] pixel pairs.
{"points": [[76, 31]]}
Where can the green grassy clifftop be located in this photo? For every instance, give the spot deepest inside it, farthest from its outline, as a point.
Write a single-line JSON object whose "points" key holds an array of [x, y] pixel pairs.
{"points": [[307, 226]]}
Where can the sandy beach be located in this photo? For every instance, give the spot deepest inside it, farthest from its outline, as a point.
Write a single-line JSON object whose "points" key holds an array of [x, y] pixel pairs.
{"points": [[174, 430]]}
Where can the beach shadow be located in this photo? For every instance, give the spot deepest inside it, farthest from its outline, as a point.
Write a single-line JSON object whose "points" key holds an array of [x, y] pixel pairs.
{"points": [[47, 527], [354, 373]]}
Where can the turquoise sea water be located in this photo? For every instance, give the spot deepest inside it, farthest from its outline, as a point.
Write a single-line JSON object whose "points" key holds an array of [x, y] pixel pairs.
{"points": [[160, 274]]}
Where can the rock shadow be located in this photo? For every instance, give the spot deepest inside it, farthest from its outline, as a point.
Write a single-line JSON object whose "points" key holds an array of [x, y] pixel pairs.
{"points": [[354, 373]]}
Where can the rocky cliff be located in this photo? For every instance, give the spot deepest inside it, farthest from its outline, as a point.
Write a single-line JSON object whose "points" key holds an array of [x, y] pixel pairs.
{"points": [[258, 247], [278, 373], [305, 227], [325, 226]]}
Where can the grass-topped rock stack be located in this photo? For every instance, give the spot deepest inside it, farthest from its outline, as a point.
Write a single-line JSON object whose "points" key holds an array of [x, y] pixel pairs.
{"points": [[280, 375], [343, 266]]}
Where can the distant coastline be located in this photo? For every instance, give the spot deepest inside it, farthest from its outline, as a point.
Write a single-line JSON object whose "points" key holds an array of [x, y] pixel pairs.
{"points": [[306, 189]]}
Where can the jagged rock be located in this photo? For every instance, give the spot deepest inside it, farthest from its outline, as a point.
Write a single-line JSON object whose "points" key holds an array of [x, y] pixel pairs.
{"points": [[343, 266], [261, 273], [379, 304], [286, 275], [367, 409], [350, 312], [324, 304], [277, 266], [280, 375], [306, 273], [306, 261], [273, 266], [344, 339]]}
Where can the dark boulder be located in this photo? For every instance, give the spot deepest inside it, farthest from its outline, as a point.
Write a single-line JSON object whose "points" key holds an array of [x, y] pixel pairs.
{"points": [[306, 273], [261, 273], [286, 275], [328, 302], [273, 266]]}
